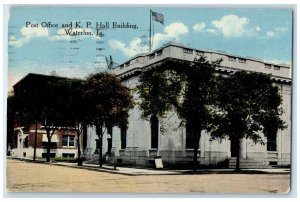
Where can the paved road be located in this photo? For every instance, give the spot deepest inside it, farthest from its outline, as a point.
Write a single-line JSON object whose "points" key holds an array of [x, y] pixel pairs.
{"points": [[36, 177]]}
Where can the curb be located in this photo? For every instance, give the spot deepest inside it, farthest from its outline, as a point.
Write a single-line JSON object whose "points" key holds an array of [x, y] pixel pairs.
{"points": [[177, 172]]}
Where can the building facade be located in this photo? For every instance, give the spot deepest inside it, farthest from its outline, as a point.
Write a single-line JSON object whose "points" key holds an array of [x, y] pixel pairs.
{"points": [[63, 140], [63, 143], [143, 140]]}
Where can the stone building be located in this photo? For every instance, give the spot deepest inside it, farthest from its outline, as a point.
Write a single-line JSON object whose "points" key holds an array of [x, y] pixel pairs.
{"points": [[144, 140]]}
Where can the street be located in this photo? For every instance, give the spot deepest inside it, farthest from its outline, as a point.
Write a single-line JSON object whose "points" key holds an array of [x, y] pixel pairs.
{"points": [[37, 177]]}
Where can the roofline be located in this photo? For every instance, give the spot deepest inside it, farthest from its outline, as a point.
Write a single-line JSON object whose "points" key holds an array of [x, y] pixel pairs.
{"points": [[40, 75], [219, 69], [208, 51]]}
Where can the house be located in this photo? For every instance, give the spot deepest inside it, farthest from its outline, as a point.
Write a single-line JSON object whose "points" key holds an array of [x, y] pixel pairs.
{"points": [[63, 143], [143, 140], [64, 138]]}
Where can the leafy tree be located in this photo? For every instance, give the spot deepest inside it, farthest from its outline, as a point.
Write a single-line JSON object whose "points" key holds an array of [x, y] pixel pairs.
{"points": [[75, 110], [248, 104], [42, 99], [11, 110], [159, 91], [108, 104], [186, 87]]}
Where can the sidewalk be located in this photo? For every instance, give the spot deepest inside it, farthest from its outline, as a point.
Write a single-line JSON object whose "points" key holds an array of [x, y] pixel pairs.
{"points": [[138, 171]]}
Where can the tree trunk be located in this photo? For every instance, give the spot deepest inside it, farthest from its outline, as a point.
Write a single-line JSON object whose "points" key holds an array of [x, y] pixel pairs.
{"points": [[48, 148], [100, 152], [35, 141], [79, 160], [237, 166], [196, 138]]}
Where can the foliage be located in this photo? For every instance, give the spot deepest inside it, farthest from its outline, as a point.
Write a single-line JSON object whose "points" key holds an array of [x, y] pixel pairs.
{"points": [[43, 99], [62, 159], [76, 109], [11, 109], [159, 91], [248, 104], [108, 103], [186, 87]]}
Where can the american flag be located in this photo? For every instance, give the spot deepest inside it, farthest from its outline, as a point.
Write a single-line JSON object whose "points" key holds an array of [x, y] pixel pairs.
{"points": [[158, 17]]}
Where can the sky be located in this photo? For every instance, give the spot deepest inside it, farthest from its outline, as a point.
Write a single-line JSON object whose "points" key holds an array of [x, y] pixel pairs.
{"points": [[38, 42]]}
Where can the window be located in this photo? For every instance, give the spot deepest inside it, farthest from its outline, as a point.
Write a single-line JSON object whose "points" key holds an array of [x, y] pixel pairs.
{"points": [[276, 68], [159, 53], [109, 139], [53, 144], [268, 66], [199, 53], [68, 141], [189, 138], [123, 137], [154, 131], [68, 155], [231, 58], [152, 56], [25, 142], [272, 142], [241, 60], [188, 51], [127, 64], [52, 155]]}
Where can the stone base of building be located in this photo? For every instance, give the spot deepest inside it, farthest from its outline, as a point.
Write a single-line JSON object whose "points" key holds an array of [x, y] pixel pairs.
{"points": [[41, 152], [184, 159]]}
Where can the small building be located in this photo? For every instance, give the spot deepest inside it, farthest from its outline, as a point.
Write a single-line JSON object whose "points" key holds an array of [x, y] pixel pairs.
{"points": [[63, 143], [63, 140]]}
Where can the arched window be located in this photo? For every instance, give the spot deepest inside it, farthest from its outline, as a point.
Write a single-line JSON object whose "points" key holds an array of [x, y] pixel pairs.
{"points": [[154, 131], [109, 139], [272, 142], [189, 139], [123, 137]]}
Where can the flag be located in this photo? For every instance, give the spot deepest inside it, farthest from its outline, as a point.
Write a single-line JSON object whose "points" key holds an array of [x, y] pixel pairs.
{"points": [[158, 17]]}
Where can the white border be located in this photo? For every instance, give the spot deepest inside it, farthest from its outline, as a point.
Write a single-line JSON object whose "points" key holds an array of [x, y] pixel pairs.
{"points": [[185, 3]]}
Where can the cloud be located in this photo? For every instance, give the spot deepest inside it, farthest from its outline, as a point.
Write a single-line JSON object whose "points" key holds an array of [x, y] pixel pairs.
{"points": [[270, 34], [133, 48], [12, 41], [231, 25], [199, 27], [37, 32], [172, 32], [28, 33], [276, 32]]}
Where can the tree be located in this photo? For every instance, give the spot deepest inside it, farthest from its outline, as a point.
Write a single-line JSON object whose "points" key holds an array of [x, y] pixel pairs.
{"points": [[75, 110], [248, 104], [108, 104], [42, 99], [183, 86], [11, 110]]}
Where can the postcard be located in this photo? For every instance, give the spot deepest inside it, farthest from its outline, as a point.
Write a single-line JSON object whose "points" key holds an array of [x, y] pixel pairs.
{"points": [[149, 99]]}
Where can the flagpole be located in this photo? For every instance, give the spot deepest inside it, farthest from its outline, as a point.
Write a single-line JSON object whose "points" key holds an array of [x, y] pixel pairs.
{"points": [[150, 33]]}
